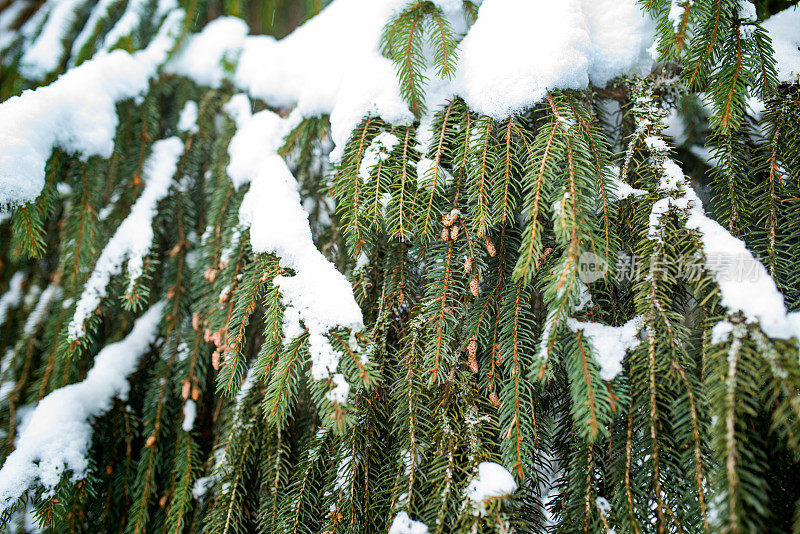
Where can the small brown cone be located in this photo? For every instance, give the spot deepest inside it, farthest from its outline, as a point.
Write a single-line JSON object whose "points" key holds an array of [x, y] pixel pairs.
{"points": [[490, 248], [472, 351], [150, 441], [454, 232], [215, 360], [494, 399], [196, 321], [186, 389], [474, 287], [467, 265], [195, 393], [445, 234]]}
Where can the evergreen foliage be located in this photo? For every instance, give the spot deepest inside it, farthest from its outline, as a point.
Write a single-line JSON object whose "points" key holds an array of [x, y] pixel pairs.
{"points": [[468, 259]]}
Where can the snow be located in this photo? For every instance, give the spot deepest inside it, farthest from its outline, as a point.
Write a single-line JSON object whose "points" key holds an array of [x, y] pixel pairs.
{"points": [[517, 50], [340, 391], [603, 505], [130, 20], [44, 54], [784, 30], [77, 112], [577, 41], [403, 524], [609, 343], [133, 237], [189, 414], [187, 121], [346, 78], [744, 283], [98, 13], [45, 299], [721, 332], [621, 190], [7, 18], [676, 13], [202, 56], [278, 224], [378, 150], [492, 480], [747, 11], [58, 434], [11, 298], [751, 291]]}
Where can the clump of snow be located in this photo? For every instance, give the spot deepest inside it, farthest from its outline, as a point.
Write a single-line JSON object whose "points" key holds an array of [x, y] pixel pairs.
{"points": [[131, 19], [721, 332], [134, 236], [45, 299], [784, 30], [77, 113], [8, 17], [340, 390], [492, 480], [278, 224], [518, 50], [44, 54], [189, 414], [378, 150], [201, 59], [677, 9], [403, 524], [58, 434], [11, 298], [603, 505], [743, 281], [187, 121], [620, 189], [346, 77], [747, 11], [609, 343]]}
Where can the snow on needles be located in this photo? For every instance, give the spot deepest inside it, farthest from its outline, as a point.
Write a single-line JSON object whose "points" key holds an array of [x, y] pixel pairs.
{"points": [[278, 224], [77, 113], [517, 50], [11, 298], [403, 524], [493, 480], [784, 30], [744, 284], [134, 236], [59, 432], [559, 44], [609, 343]]}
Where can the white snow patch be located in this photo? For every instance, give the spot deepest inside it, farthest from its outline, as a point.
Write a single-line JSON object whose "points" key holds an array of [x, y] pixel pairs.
{"points": [[134, 236], [492, 480], [744, 283], [11, 298], [378, 150], [77, 113], [403, 524], [202, 57], [189, 414], [187, 121], [59, 431], [43, 55], [45, 299], [609, 343], [784, 30], [278, 224], [517, 50], [7, 18]]}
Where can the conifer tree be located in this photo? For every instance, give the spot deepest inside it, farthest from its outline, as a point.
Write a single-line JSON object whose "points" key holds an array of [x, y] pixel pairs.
{"points": [[404, 266]]}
